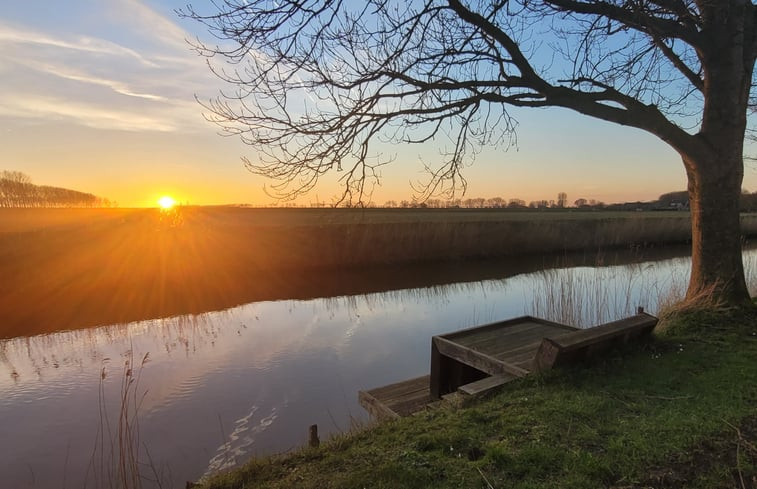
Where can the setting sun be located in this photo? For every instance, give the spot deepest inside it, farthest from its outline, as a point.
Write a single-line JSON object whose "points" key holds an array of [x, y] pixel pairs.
{"points": [[166, 202]]}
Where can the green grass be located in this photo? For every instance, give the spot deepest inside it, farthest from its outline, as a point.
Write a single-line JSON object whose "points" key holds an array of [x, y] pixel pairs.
{"points": [[680, 411]]}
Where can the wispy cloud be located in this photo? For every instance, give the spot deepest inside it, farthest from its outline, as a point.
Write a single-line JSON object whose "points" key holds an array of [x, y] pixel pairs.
{"points": [[30, 106], [144, 81], [153, 24], [68, 73], [85, 44]]}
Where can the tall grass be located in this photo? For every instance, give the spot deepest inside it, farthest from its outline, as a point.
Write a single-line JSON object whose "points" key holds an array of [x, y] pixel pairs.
{"points": [[587, 296], [118, 461]]}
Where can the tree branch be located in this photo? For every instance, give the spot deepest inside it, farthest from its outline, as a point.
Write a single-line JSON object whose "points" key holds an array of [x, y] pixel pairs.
{"points": [[634, 17], [320, 81], [633, 113], [667, 51]]}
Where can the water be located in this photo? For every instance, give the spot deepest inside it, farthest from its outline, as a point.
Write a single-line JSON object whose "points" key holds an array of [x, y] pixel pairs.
{"points": [[217, 388]]}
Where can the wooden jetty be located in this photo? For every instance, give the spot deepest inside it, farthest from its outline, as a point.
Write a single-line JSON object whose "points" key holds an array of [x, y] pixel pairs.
{"points": [[472, 361]]}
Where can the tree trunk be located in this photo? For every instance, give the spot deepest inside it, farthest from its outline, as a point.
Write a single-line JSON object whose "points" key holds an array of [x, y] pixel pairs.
{"points": [[717, 271], [715, 167]]}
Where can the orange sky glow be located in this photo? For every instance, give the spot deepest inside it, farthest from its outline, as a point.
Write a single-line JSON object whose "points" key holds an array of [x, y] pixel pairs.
{"points": [[101, 98]]}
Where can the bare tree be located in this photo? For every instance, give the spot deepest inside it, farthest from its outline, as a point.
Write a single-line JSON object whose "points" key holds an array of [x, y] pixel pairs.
{"points": [[495, 202], [320, 82], [562, 200], [516, 204], [17, 190]]}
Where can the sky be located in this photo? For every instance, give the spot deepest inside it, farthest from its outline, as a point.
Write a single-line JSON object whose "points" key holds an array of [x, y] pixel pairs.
{"points": [[100, 97]]}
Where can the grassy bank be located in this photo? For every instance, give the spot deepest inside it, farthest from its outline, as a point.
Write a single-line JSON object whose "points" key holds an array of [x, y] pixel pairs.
{"points": [[74, 268], [678, 412]]}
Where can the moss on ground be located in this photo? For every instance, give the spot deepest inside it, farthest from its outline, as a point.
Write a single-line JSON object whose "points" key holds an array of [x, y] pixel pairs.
{"points": [[679, 411]]}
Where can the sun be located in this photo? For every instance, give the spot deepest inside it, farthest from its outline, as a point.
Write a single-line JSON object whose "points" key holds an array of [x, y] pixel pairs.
{"points": [[166, 202]]}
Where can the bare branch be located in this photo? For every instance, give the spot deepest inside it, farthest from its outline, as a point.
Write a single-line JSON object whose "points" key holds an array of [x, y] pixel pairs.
{"points": [[667, 51], [321, 84], [633, 15]]}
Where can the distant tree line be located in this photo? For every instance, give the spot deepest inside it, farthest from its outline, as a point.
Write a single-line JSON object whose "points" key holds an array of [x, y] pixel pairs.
{"points": [[680, 201], [481, 203], [668, 201], [17, 190]]}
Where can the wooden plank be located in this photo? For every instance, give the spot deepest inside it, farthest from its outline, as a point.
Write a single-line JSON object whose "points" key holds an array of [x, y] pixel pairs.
{"points": [[555, 351], [413, 405], [507, 353], [475, 340], [522, 357], [411, 393], [402, 386], [504, 325], [375, 407], [523, 338], [475, 359], [439, 371], [499, 325], [399, 388], [483, 385], [635, 325], [525, 363], [398, 399], [546, 355], [467, 356]]}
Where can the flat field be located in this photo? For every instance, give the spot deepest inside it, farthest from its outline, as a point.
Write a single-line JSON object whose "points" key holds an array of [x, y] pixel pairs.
{"points": [[75, 268], [22, 220]]}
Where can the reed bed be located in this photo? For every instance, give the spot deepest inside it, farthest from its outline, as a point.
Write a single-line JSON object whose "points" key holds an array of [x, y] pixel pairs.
{"points": [[587, 296], [63, 269]]}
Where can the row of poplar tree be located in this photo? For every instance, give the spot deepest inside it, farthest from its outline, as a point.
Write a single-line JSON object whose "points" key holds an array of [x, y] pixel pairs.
{"points": [[17, 190]]}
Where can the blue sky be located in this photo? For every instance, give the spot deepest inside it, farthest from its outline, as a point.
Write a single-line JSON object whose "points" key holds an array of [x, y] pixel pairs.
{"points": [[99, 96]]}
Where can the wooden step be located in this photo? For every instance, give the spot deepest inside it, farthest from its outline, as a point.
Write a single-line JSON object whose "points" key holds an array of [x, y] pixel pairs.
{"points": [[488, 383], [398, 399]]}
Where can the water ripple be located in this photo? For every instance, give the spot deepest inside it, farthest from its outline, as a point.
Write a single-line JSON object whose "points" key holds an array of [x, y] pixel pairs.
{"points": [[237, 448]]}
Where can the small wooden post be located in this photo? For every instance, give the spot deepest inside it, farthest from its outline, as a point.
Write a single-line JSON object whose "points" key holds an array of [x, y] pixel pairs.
{"points": [[546, 355], [313, 440]]}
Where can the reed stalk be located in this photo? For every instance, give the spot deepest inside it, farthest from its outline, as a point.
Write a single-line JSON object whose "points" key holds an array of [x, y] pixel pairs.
{"points": [[117, 459]]}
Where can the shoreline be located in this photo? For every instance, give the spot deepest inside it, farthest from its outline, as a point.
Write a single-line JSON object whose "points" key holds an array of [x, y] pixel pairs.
{"points": [[641, 416]]}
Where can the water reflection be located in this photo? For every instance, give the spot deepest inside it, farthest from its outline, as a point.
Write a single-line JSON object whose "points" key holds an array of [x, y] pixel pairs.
{"points": [[37, 299], [222, 386]]}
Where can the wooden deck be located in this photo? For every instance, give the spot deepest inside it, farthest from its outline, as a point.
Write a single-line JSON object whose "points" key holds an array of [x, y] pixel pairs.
{"points": [[472, 361], [505, 347]]}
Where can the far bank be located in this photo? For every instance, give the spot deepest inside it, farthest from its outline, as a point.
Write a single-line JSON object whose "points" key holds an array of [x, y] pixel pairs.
{"points": [[75, 268]]}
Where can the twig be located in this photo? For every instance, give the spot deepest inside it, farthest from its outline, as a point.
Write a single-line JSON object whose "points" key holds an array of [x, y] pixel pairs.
{"points": [[743, 440], [739, 442], [625, 403], [738, 464], [154, 470], [666, 398], [488, 484]]}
